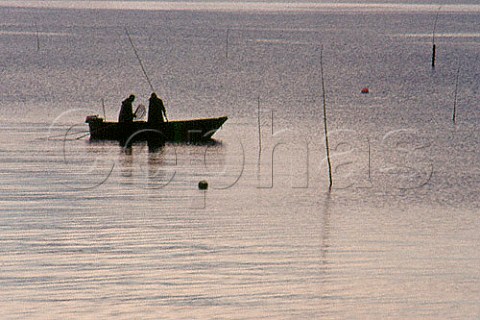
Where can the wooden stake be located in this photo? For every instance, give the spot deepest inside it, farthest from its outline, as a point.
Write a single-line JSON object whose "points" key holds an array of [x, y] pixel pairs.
{"points": [[37, 36], [369, 161], [272, 123], [226, 43], [433, 38], [327, 148], [103, 108], [433, 55], [259, 130], [454, 115]]}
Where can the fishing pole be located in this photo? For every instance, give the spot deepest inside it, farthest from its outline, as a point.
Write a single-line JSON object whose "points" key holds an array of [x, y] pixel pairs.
{"points": [[139, 60], [141, 65]]}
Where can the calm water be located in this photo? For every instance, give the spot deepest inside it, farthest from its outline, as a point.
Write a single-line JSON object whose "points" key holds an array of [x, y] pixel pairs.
{"points": [[94, 231]]}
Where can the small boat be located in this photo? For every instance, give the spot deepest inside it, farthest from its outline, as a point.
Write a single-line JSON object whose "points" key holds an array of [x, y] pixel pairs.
{"points": [[196, 130]]}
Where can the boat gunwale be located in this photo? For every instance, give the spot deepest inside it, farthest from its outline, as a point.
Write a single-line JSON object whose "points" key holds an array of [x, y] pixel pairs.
{"points": [[101, 120]]}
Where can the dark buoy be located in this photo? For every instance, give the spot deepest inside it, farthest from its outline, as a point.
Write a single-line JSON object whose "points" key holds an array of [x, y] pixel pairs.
{"points": [[365, 90], [203, 185]]}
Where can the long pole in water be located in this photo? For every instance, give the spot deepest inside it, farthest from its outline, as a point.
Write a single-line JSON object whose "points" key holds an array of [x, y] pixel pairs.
{"points": [[226, 43], [433, 55], [259, 130], [434, 47], [454, 115], [103, 108], [139, 60], [327, 148], [37, 36]]}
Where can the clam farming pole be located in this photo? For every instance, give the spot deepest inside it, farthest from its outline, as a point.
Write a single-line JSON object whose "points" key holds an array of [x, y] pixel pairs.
{"points": [[327, 148], [454, 114], [433, 38], [226, 43]]}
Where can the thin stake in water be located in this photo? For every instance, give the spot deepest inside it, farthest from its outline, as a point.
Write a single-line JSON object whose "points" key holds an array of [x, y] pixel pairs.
{"points": [[37, 36], [226, 43], [369, 161], [259, 130], [272, 122], [327, 148], [433, 55], [103, 108], [454, 115], [433, 38]]}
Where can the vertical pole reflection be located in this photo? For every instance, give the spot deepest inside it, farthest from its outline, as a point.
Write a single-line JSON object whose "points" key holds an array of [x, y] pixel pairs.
{"points": [[326, 226]]}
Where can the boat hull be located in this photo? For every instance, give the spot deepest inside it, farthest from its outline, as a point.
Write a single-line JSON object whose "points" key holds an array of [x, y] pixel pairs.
{"points": [[197, 130]]}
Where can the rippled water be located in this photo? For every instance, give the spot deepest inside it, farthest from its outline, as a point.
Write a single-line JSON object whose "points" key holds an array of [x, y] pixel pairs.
{"points": [[92, 230]]}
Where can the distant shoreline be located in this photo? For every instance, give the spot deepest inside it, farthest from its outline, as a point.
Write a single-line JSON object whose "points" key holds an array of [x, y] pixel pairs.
{"points": [[244, 6]]}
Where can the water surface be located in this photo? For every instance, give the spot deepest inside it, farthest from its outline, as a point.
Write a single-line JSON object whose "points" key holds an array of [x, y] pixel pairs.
{"points": [[92, 230]]}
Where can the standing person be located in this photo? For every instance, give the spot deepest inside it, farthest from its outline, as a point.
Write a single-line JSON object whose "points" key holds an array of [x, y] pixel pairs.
{"points": [[126, 112], [156, 110]]}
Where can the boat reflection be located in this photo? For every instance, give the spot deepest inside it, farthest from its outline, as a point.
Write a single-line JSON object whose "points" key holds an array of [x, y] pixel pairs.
{"points": [[156, 166]]}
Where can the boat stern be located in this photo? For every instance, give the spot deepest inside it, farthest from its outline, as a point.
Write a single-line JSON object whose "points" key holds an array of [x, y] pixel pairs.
{"points": [[93, 118]]}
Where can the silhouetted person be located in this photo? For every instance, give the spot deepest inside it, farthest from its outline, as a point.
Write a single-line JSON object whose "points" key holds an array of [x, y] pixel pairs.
{"points": [[126, 112], [156, 110]]}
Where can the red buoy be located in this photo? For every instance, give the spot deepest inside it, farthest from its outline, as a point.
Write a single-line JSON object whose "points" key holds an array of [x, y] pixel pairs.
{"points": [[365, 90]]}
